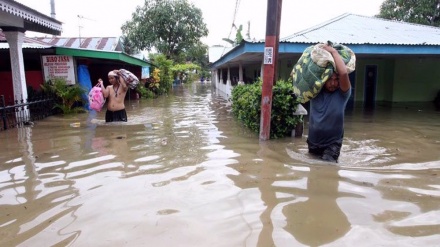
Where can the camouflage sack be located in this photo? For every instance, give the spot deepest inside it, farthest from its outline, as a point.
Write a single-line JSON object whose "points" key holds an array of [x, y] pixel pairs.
{"points": [[315, 66]]}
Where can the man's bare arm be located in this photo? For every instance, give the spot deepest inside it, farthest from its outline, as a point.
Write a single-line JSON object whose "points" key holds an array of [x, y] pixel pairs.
{"points": [[121, 80], [341, 69], [105, 91]]}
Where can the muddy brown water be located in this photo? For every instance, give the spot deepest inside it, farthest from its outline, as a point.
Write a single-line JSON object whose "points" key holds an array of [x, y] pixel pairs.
{"points": [[184, 172]]}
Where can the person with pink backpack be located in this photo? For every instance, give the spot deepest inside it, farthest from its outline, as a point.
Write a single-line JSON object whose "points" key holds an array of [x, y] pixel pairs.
{"points": [[115, 93]]}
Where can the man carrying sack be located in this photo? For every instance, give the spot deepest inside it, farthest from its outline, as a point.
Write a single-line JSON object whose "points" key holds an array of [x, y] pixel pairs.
{"points": [[115, 93], [321, 76]]}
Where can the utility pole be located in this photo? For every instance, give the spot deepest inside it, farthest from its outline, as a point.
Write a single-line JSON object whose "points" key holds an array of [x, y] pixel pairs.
{"points": [[273, 20]]}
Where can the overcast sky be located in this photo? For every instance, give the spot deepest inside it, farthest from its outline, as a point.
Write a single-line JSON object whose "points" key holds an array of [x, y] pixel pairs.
{"points": [[105, 18]]}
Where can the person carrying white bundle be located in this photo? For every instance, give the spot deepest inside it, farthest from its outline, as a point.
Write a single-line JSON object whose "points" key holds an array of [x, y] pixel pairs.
{"points": [[115, 93]]}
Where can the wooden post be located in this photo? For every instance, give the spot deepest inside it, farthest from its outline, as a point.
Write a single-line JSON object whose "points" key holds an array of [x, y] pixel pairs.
{"points": [[273, 20]]}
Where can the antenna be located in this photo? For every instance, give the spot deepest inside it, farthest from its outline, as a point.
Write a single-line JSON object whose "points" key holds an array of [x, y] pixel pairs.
{"points": [[80, 17], [248, 34]]}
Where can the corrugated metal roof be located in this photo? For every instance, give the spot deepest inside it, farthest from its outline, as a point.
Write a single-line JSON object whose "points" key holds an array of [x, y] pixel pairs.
{"points": [[25, 39], [356, 29], [26, 45], [216, 52], [92, 43]]}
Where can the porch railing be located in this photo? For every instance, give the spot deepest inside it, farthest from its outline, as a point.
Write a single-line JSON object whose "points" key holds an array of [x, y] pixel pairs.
{"points": [[22, 113]]}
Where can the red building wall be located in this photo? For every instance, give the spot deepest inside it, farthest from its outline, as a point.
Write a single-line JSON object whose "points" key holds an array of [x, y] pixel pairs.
{"points": [[33, 79]]}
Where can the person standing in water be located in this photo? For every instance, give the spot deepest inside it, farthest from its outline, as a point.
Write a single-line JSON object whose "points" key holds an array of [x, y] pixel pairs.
{"points": [[115, 93], [327, 109]]}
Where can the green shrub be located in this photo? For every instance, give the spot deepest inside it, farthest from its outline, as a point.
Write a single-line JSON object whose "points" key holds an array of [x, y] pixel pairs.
{"points": [[68, 97], [246, 106], [144, 92], [166, 75]]}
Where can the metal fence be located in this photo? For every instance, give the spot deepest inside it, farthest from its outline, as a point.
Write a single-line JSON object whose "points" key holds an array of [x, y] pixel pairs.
{"points": [[22, 113]]}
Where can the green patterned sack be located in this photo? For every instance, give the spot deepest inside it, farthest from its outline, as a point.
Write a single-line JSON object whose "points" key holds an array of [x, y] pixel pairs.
{"points": [[314, 68]]}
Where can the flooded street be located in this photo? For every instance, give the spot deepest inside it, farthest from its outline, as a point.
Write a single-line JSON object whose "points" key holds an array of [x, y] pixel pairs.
{"points": [[184, 172]]}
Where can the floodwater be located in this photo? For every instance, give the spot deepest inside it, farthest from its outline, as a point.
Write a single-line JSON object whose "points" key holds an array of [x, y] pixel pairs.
{"points": [[184, 172]]}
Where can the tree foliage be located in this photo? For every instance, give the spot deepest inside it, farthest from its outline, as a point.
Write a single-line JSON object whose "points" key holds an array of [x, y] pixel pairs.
{"points": [[238, 36], [426, 12], [183, 68], [197, 54], [186, 72], [128, 46], [169, 26], [166, 74]]}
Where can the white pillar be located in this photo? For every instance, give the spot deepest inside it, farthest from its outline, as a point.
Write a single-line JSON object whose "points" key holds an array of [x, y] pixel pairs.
{"points": [[213, 74], [219, 79], [240, 74], [15, 41], [228, 83]]}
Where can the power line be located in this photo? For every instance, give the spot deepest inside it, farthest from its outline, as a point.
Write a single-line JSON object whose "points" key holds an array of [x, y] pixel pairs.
{"points": [[237, 5]]}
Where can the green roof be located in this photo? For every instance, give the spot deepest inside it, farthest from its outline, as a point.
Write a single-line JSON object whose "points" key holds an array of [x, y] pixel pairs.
{"points": [[109, 55]]}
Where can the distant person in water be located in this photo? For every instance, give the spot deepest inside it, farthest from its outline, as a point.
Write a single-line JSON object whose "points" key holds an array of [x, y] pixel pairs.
{"points": [[115, 93]]}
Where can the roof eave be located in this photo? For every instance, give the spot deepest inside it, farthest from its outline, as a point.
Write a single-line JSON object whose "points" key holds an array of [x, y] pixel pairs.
{"points": [[33, 20], [118, 56]]}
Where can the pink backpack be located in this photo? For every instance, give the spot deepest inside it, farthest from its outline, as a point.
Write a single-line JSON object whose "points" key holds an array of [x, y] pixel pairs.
{"points": [[96, 98]]}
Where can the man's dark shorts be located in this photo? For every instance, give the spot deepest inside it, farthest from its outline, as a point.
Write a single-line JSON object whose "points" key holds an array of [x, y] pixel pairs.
{"points": [[328, 153], [116, 116]]}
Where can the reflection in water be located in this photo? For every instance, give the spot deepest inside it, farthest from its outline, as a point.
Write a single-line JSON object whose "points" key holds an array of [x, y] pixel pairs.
{"points": [[300, 202], [318, 213], [184, 172], [32, 201]]}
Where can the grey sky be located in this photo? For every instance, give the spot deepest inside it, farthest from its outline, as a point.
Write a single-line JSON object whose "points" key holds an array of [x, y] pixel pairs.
{"points": [[104, 18]]}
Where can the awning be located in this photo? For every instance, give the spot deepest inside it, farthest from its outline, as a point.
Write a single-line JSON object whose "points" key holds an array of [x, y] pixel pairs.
{"points": [[15, 14], [109, 55]]}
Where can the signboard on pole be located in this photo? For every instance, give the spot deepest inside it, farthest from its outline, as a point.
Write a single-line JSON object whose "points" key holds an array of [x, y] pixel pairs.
{"points": [[58, 66], [268, 55], [145, 72]]}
